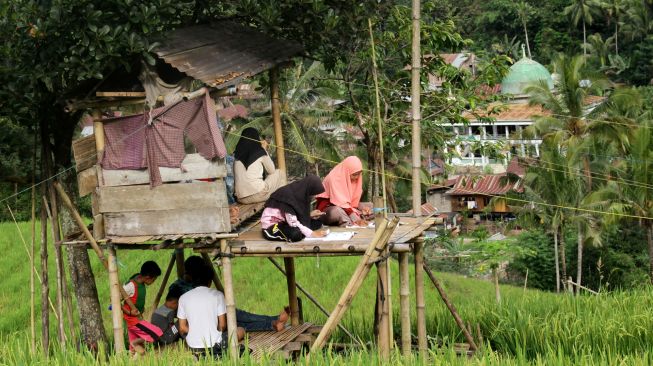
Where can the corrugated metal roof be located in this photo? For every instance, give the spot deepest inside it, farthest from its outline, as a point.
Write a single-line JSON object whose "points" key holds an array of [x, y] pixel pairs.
{"points": [[222, 54], [484, 185]]}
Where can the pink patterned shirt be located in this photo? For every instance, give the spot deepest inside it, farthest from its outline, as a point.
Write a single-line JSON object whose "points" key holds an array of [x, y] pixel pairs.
{"points": [[271, 216]]}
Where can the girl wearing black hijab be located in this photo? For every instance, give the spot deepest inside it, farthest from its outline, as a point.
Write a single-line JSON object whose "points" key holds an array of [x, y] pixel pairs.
{"points": [[255, 176], [288, 216]]}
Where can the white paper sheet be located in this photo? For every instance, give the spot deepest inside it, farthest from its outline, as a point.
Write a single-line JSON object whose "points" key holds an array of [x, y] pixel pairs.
{"points": [[335, 236]]}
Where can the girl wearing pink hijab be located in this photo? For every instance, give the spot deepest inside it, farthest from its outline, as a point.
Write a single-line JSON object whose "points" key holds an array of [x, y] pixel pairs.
{"points": [[343, 188]]}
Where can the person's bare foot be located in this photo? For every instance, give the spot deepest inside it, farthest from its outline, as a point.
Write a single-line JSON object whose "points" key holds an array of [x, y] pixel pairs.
{"points": [[284, 315], [278, 325]]}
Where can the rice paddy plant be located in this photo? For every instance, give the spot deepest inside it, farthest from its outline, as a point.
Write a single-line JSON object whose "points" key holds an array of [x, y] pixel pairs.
{"points": [[528, 327]]}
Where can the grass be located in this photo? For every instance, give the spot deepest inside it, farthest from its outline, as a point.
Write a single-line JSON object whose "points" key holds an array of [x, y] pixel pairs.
{"points": [[528, 327]]}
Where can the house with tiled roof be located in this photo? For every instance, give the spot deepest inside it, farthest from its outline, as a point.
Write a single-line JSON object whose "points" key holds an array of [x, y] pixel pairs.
{"points": [[474, 193]]}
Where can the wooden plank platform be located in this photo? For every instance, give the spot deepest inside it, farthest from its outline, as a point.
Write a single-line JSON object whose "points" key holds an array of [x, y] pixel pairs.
{"points": [[288, 341], [252, 244]]}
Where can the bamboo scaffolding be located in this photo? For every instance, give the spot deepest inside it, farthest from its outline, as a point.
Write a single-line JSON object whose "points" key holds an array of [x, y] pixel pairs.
{"points": [[116, 308], [164, 282], [229, 300], [216, 278], [276, 120], [376, 246], [415, 104], [419, 297], [308, 248], [316, 303], [32, 302], [78, 219], [404, 304], [382, 311], [59, 289], [452, 309], [45, 290]]}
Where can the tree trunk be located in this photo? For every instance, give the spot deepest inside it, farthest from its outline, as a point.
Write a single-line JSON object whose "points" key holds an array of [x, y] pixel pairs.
{"points": [[563, 257], [92, 330], [616, 38], [579, 270], [528, 47], [45, 290], [584, 41], [649, 240], [557, 261]]}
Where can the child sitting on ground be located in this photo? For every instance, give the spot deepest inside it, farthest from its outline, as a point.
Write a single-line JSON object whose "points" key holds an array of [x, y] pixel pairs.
{"points": [[140, 331], [164, 318]]}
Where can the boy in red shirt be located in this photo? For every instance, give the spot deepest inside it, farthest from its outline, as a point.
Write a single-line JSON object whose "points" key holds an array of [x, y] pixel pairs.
{"points": [[136, 290]]}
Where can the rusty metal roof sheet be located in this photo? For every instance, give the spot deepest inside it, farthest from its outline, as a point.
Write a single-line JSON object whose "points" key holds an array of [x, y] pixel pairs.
{"points": [[222, 54], [489, 185]]}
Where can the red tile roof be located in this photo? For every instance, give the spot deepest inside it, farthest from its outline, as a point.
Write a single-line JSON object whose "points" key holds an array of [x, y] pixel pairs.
{"points": [[489, 185], [514, 167], [427, 209], [511, 112]]}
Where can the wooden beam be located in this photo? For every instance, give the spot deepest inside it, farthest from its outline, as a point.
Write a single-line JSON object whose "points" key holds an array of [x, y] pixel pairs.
{"points": [[116, 306], [216, 279], [230, 300], [452, 309], [58, 263], [164, 283], [289, 264], [179, 259], [276, 120], [45, 290], [120, 94]]}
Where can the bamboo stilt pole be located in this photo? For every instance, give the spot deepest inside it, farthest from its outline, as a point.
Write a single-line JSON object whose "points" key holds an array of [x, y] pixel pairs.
{"points": [[32, 304], [59, 289], [404, 304], [415, 93], [377, 111], [419, 297], [179, 255], [216, 278], [78, 219], [289, 264], [230, 299], [276, 120], [45, 290], [116, 308], [316, 303], [164, 283], [452, 309], [31, 257], [377, 244]]}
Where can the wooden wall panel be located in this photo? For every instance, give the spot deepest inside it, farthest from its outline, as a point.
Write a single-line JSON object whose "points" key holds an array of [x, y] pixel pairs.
{"points": [[186, 221], [84, 152], [194, 166]]}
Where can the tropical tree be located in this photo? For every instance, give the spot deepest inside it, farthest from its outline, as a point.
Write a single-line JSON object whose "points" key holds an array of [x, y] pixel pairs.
{"points": [[524, 11], [582, 11], [631, 190], [614, 10], [571, 128]]}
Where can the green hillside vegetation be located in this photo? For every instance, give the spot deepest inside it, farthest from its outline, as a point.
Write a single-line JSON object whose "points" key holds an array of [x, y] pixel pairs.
{"points": [[529, 325]]}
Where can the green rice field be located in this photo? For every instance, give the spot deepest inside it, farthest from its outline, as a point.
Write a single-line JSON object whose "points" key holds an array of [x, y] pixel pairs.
{"points": [[529, 327]]}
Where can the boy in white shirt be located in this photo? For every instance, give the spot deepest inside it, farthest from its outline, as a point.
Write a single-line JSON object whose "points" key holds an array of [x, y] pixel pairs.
{"points": [[202, 316]]}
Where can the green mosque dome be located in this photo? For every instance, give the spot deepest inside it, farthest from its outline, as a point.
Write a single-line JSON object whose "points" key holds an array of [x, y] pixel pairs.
{"points": [[523, 73]]}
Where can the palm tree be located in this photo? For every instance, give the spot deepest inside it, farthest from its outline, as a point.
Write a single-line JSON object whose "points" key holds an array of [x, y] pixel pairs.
{"points": [[524, 11], [599, 48], [631, 191], [567, 128], [614, 9], [582, 11]]}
